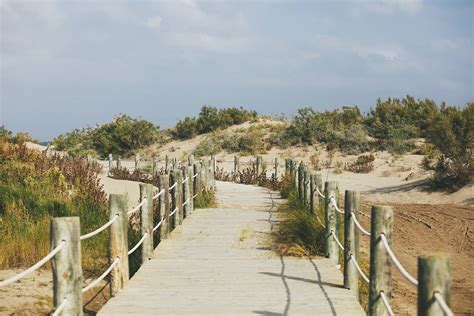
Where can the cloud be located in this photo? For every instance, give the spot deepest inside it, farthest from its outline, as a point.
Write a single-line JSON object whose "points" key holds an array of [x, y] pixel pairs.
{"points": [[154, 23], [388, 7]]}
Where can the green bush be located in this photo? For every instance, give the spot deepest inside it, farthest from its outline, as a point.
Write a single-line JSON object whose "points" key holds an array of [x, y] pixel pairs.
{"points": [[122, 136], [186, 128], [452, 132], [207, 147]]}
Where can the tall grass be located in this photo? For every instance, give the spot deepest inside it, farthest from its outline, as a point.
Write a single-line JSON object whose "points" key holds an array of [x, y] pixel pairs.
{"points": [[35, 188], [205, 199]]}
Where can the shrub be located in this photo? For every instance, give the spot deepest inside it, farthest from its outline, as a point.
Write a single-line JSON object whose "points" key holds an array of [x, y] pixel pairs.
{"points": [[363, 164], [122, 136], [186, 128], [207, 147], [205, 199], [250, 143], [452, 132]]}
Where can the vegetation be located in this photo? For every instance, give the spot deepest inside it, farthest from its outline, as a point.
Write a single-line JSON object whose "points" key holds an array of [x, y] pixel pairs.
{"points": [[122, 136], [363, 164], [452, 132], [19, 138], [211, 119], [205, 199], [35, 188]]}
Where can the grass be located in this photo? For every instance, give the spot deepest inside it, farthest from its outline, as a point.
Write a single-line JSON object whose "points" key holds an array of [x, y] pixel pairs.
{"points": [[205, 199]]}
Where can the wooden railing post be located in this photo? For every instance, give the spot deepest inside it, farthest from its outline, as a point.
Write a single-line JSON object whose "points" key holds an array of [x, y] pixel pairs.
{"points": [[434, 275], [190, 184], [351, 241], [331, 221], [146, 211], [205, 174], [212, 172], [380, 263], [313, 198], [307, 188], [154, 167], [287, 166], [236, 165], [197, 179], [191, 160], [259, 166], [137, 161], [118, 244], [301, 181], [176, 197], [119, 162], [185, 190], [276, 168], [66, 264], [164, 205], [295, 175]]}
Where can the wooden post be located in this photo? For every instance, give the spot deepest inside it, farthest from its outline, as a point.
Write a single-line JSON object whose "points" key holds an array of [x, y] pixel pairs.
{"points": [[212, 172], [190, 184], [351, 241], [380, 263], [434, 275], [319, 185], [205, 174], [119, 162], [89, 158], [331, 221], [287, 166], [137, 161], [197, 179], [296, 176], [66, 264], [164, 205], [177, 197], [301, 181], [236, 165], [185, 190], [259, 167], [146, 193], [191, 160], [110, 162], [166, 164], [313, 194], [118, 244], [307, 188], [276, 168], [154, 168]]}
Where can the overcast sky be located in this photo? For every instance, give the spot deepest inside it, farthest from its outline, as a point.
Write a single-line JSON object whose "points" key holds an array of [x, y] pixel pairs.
{"points": [[68, 64]]}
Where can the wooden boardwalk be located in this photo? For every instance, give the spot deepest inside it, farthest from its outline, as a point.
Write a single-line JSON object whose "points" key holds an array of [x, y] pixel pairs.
{"points": [[219, 262]]}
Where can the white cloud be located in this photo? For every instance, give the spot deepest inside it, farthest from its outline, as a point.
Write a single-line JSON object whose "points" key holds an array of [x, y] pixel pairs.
{"points": [[154, 23]]}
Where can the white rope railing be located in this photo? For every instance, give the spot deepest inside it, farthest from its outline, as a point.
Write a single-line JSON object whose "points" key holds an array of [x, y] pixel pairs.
{"points": [[98, 230], [158, 194], [186, 202], [319, 193], [60, 307], [319, 221], [138, 244], [195, 195], [396, 262], [337, 240], [386, 303], [332, 199], [173, 186], [34, 267], [158, 225], [185, 180], [442, 303], [136, 208], [174, 211], [195, 175], [103, 275], [359, 226], [361, 273]]}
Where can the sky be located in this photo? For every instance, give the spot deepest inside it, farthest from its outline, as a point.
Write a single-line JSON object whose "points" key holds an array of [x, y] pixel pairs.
{"points": [[70, 64]]}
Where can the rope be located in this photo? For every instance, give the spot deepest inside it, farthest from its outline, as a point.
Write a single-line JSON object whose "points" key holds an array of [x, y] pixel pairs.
{"points": [[96, 281], [354, 218], [36, 266], [186, 202], [320, 223], [333, 202], [60, 307], [98, 230], [362, 274], [137, 245], [158, 194], [397, 263], [185, 180], [319, 193], [195, 195], [442, 303], [172, 187], [337, 240], [158, 225], [195, 175], [136, 208], [386, 303], [174, 211]]}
